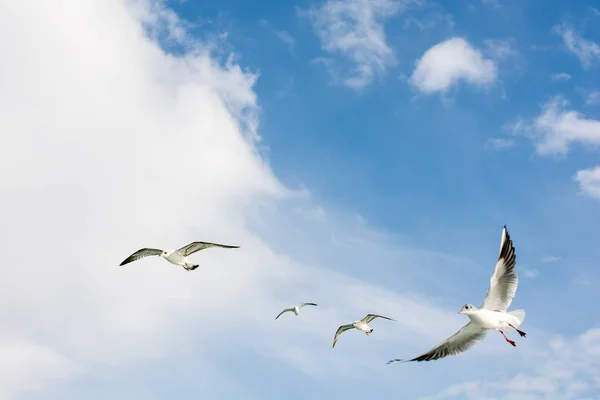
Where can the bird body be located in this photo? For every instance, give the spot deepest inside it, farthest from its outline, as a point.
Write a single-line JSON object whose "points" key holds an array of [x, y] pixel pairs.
{"points": [[176, 257], [492, 315], [362, 326], [487, 319]]}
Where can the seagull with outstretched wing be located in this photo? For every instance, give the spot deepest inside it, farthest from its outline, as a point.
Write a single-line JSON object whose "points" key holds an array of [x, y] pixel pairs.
{"points": [[361, 325], [491, 315], [295, 309], [177, 257]]}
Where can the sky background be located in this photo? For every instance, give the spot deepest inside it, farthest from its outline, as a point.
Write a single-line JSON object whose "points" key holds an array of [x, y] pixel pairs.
{"points": [[364, 154]]}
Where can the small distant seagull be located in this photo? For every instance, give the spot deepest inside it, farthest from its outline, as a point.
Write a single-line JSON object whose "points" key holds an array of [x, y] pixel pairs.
{"points": [[295, 309], [177, 257], [360, 325], [492, 315]]}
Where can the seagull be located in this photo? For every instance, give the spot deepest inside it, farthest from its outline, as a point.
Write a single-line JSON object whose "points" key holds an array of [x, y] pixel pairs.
{"points": [[177, 257], [295, 309], [360, 325], [491, 315]]}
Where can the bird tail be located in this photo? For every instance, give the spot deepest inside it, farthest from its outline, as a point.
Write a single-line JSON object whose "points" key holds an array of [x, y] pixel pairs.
{"points": [[519, 315], [193, 267]]}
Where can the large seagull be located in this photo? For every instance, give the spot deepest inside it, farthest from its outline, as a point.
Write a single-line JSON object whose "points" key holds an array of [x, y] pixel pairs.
{"points": [[177, 257], [361, 325], [492, 315]]}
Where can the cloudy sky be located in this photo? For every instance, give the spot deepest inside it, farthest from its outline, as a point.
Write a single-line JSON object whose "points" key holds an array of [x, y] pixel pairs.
{"points": [[364, 154]]}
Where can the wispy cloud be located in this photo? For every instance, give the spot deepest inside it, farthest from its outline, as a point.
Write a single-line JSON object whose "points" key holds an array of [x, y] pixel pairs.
{"points": [[587, 51], [563, 76], [549, 259], [450, 62], [589, 181], [531, 273], [354, 30], [286, 38], [492, 3], [593, 98], [499, 143], [556, 128], [499, 49], [560, 368]]}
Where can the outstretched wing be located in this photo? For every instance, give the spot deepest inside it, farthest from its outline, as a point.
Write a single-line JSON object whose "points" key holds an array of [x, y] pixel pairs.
{"points": [[308, 304], [371, 317], [341, 330], [456, 344], [141, 253], [284, 310], [197, 246], [504, 281]]}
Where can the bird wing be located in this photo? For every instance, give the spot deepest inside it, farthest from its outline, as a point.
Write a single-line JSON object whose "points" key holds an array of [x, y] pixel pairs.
{"points": [[307, 304], [371, 317], [456, 344], [504, 281], [141, 253], [197, 246], [284, 310], [341, 330]]}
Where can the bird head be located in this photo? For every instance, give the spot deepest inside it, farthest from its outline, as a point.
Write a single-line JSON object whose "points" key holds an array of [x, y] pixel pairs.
{"points": [[466, 309], [165, 253]]}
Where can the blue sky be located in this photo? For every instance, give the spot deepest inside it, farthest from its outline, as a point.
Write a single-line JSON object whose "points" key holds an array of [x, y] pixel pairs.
{"points": [[420, 164], [364, 154]]}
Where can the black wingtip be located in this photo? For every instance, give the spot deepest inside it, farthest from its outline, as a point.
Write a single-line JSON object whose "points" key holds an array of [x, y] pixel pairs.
{"points": [[507, 245]]}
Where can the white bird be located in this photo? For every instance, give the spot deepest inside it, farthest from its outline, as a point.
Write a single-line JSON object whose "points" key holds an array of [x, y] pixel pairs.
{"points": [[492, 315], [295, 309], [177, 257], [361, 325]]}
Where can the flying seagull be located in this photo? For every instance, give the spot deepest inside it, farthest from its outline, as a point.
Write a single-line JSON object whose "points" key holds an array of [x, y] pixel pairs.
{"points": [[177, 257], [360, 325], [295, 309], [492, 315]]}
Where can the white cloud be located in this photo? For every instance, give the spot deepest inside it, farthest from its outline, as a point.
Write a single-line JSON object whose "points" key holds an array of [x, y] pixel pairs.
{"points": [[26, 365], [286, 38], [563, 76], [593, 98], [493, 3], [556, 128], [531, 273], [559, 369], [450, 62], [589, 181], [354, 29], [499, 143], [549, 259], [115, 145], [499, 50], [587, 51]]}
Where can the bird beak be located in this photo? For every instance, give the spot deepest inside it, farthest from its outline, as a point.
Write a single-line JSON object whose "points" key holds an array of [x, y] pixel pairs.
{"points": [[460, 312]]}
